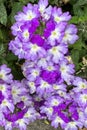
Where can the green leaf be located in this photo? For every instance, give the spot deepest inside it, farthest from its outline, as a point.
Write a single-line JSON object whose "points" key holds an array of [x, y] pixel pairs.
{"points": [[2, 49], [75, 55], [17, 6], [78, 45], [80, 7], [4, 35], [2, 1], [82, 53], [72, 2], [75, 58], [74, 20], [16, 71], [1, 35], [82, 28], [11, 57], [2, 61], [77, 10], [81, 2], [3, 14], [27, 1]]}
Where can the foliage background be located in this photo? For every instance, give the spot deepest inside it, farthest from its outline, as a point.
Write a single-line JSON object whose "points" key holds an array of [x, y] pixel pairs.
{"points": [[78, 51]]}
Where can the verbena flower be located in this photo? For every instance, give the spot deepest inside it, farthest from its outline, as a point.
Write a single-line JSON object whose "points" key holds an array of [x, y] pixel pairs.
{"points": [[57, 53], [73, 125], [29, 13], [67, 71], [43, 87], [59, 16], [5, 88], [44, 9], [5, 74], [70, 35], [27, 30], [42, 5], [80, 83], [54, 32], [17, 90]]}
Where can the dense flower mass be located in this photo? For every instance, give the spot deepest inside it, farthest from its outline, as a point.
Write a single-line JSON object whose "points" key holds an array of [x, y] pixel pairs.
{"points": [[49, 90], [16, 105], [42, 31]]}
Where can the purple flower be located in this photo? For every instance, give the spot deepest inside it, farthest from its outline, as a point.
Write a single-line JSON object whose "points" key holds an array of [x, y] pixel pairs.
{"points": [[44, 10], [5, 74], [17, 90], [37, 39], [15, 28], [29, 13], [81, 84], [67, 71], [59, 16], [2, 119], [47, 14], [16, 116], [66, 111], [18, 28], [53, 101], [57, 53], [60, 107], [73, 110], [31, 114], [70, 35], [32, 73], [49, 27], [35, 52], [27, 100], [55, 33], [5, 88], [43, 87], [47, 110], [51, 76], [42, 5], [81, 98], [62, 93], [73, 125], [57, 121], [27, 29], [22, 123], [59, 86], [1, 97], [19, 48], [6, 104], [20, 104], [8, 125], [64, 117], [31, 85], [51, 108], [46, 64], [27, 65]]}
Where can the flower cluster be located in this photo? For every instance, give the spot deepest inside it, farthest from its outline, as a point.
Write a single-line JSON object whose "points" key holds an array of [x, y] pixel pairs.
{"points": [[42, 31], [16, 105], [50, 90]]}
